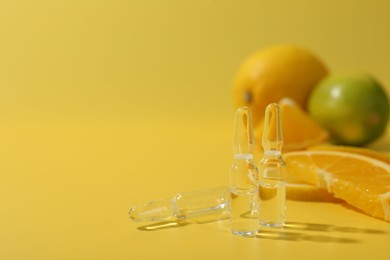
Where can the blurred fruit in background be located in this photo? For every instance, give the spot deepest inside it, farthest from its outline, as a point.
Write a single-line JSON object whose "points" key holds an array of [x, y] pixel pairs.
{"points": [[351, 110], [299, 130], [274, 73], [354, 108]]}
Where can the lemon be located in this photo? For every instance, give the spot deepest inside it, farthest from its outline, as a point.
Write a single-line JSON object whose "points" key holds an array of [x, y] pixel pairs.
{"points": [[274, 73], [354, 108]]}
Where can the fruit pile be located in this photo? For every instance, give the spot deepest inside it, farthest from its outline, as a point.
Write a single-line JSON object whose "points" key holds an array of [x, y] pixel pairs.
{"points": [[317, 106], [352, 108]]}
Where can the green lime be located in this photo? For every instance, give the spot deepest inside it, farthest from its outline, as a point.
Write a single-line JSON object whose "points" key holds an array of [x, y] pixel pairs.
{"points": [[354, 108]]}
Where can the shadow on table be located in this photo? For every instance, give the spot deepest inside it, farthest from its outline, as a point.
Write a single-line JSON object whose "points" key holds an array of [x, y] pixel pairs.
{"points": [[330, 228], [162, 225], [295, 236], [177, 223], [290, 232]]}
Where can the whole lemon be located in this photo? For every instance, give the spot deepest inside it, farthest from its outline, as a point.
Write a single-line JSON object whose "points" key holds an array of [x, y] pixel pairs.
{"points": [[354, 108], [274, 73]]}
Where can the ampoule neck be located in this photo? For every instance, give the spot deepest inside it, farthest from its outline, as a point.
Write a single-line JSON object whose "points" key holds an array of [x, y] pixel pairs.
{"points": [[273, 157], [243, 156], [272, 153]]}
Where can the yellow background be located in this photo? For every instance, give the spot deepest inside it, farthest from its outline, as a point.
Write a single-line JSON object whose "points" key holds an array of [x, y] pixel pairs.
{"points": [[104, 104]]}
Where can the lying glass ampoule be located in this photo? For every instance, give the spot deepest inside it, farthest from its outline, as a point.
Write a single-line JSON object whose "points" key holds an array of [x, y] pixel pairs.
{"points": [[207, 204], [272, 168], [243, 177]]}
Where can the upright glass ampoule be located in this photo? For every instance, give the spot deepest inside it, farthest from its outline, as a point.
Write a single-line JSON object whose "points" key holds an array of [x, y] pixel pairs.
{"points": [[243, 177], [272, 168]]}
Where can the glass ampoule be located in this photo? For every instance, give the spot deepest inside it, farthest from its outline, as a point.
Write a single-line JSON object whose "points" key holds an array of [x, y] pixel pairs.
{"points": [[243, 177], [206, 205], [272, 168]]}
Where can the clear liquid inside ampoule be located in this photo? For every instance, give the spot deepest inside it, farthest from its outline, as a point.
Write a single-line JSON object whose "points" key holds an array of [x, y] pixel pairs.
{"points": [[216, 212], [244, 212], [272, 194]]}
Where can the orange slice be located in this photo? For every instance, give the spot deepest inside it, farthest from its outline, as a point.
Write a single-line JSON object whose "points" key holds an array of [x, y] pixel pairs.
{"points": [[361, 181], [299, 130], [351, 149], [308, 192]]}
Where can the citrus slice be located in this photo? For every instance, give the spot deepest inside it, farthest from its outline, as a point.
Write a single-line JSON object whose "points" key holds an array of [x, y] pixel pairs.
{"points": [[299, 130], [361, 181], [351, 149], [308, 192]]}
